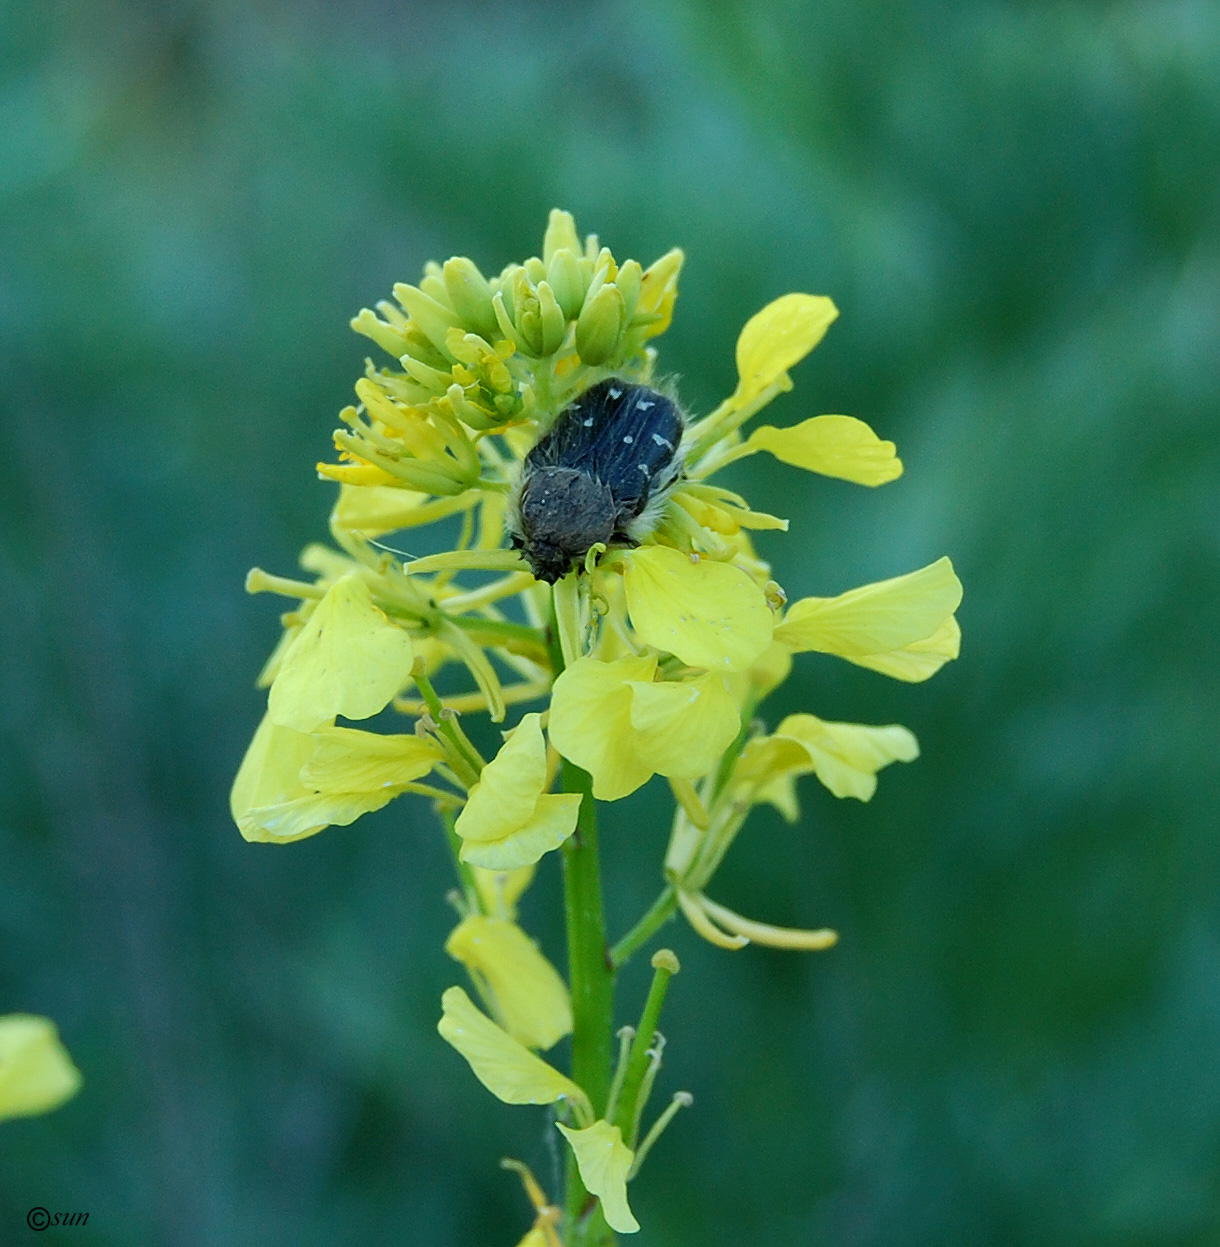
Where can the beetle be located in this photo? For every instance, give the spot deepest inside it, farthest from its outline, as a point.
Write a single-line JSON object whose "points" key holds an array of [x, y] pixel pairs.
{"points": [[602, 473]]}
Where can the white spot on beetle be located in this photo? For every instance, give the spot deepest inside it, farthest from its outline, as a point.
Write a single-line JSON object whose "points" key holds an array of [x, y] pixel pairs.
{"points": [[615, 393], [588, 424], [628, 440], [644, 404], [662, 441]]}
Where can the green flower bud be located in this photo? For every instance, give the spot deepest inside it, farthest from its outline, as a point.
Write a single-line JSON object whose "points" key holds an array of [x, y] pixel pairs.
{"points": [[433, 319], [529, 326], [391, 340], [600, 326], [470, 296], [560, 235], [628, 282], [567, 281], [535, 270], [554, 323], [434, 287]]}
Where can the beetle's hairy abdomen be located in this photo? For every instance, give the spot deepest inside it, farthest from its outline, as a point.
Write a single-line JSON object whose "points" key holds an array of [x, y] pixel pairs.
{"points": [[563, 512]]}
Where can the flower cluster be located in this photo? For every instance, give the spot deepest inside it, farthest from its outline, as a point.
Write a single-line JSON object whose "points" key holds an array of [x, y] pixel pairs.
{"points": [[647, 658]]}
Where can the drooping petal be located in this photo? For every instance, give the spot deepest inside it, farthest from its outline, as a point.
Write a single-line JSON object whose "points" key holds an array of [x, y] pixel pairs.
{"points": [[875, 619], [590, 722], [526, 993], [604, 1161], [847, 756], [708, 614], [683, 726], [348, 660], [777, 338], [509, 1070], [552, 822], [345, 759], [508, 789], [36, 1072], [840, 446]]}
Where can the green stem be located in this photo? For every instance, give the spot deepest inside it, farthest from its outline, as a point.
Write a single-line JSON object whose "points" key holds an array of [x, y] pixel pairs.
{"points": [[464, 873], [592, 986], [463, 751], [665, 965], [663, 909]]}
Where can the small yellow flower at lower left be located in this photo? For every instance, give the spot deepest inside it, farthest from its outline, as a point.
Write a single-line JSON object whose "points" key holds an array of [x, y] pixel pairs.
{"points": [[36, 1072], [293, 784]]}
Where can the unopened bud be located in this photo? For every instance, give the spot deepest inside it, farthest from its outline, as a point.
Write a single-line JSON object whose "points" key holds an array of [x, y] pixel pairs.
{"points": [[431, 318], [560, 234], [554, 323], [563, 271], [470, 295], [600, 326]]}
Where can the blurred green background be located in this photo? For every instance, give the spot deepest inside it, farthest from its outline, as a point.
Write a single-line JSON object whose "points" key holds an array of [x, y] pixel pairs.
{"points": [[1015, 207]]}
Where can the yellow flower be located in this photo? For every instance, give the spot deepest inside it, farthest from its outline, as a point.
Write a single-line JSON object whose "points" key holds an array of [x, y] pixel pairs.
{"points": [[293, 784], [36, 1072], [518, 984], [509, 819], [615, 721]]}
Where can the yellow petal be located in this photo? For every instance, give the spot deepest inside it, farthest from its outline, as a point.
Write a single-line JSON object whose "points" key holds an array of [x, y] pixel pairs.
{"points": [[509, 787], [552, 822], [348, 660], [499, 890], [839, 446], [877, 618], [508, 821], [708, 614], [590, 722], [345, 759], [778, 337], [270, 776], [269, 802], [847, 756], [683, 726], [769, 757], [921, 659], [36, 1072], [509, 1070], [604, 1161], [526, 993]]}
